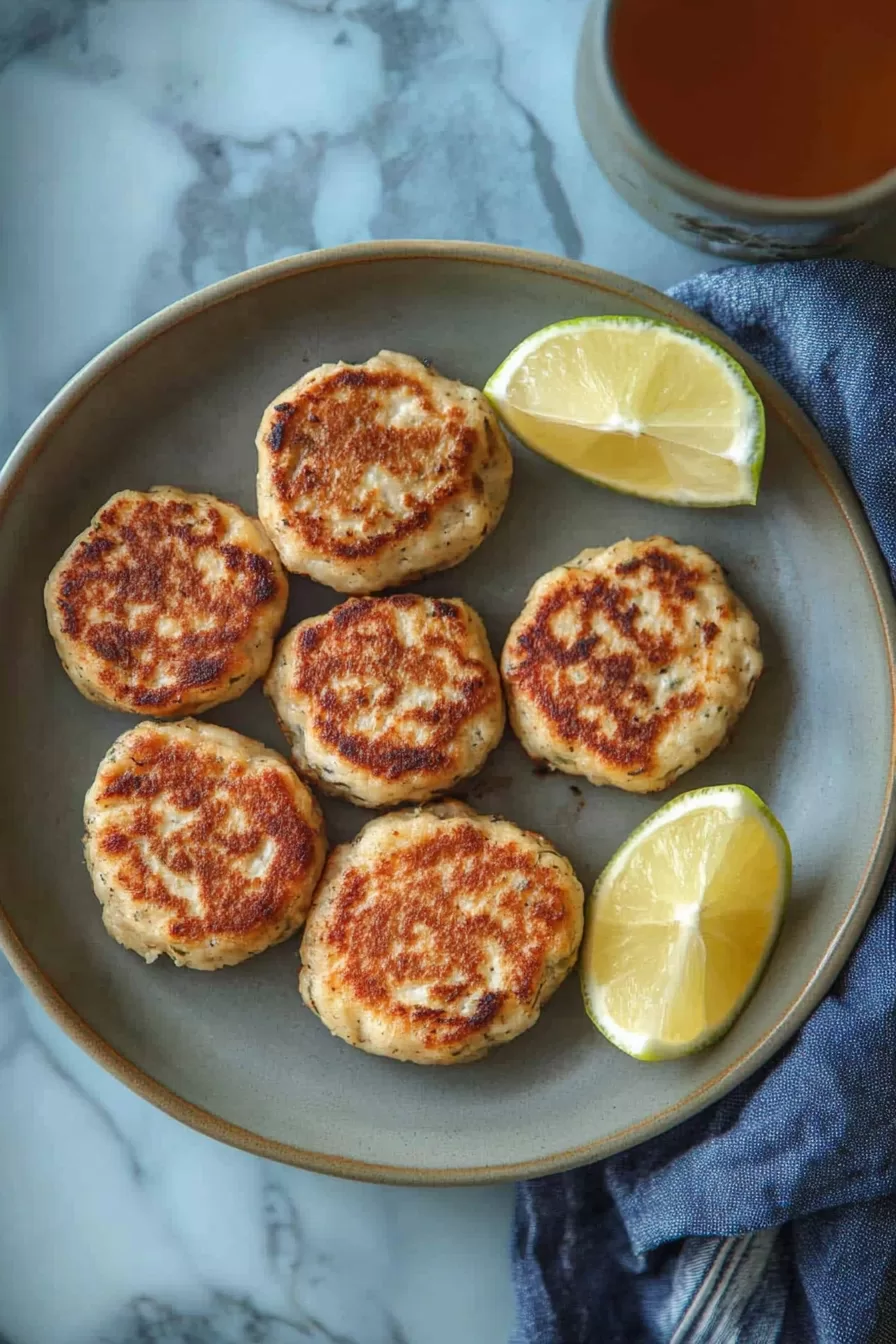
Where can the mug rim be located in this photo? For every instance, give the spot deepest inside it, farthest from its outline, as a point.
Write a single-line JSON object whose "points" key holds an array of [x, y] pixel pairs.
{"points": [[714, 194]]}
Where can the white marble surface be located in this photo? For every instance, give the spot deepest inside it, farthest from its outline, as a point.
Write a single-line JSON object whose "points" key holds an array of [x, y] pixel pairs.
{"points": [[148, 147]]}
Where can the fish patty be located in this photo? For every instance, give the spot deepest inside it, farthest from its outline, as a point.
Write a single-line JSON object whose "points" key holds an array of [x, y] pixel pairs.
{"points": [[630, 665], [387, 700], [439, 933], [371, 475], [167, 604], [202, 844]]}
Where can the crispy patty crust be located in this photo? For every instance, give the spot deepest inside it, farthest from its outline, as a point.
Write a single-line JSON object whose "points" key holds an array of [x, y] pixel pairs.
{"points": [[371, 475], [630, 665], [202, 844], [387, 700], [439, 933], [167, 604]]}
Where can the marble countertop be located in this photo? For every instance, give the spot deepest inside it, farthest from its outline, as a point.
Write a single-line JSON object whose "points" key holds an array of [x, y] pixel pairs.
{"points": [[148, 147]]}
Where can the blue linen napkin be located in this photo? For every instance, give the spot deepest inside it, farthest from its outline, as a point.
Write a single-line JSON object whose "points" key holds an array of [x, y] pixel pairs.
{"points": [[771, 1216]]}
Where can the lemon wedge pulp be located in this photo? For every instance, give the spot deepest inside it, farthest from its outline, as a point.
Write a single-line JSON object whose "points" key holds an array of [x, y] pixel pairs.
{"points": [[682, 921], [642, 406]]}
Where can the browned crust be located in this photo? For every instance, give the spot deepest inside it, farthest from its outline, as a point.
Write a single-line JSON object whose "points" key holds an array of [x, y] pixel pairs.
{"points": [[197, 780], [611, 693], [399, 921], [325, 438], [359, 639], [134, 567]]}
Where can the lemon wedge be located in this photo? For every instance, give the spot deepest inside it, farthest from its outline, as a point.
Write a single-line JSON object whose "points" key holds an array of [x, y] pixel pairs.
{"points": [[682, 921], [641, 406]]}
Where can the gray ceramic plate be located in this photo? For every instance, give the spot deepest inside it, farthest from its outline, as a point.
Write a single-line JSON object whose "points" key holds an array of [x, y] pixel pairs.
{"points": [[235, 1053]]}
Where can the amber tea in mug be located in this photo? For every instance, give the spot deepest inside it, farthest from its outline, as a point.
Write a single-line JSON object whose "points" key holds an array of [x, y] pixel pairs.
{"points": [[785, 98]]}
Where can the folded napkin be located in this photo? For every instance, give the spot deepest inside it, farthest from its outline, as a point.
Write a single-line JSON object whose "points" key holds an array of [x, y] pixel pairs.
{"points": [[771, 1216]]}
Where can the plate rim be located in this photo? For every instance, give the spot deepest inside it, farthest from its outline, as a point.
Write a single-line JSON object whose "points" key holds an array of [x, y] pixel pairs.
{"points": [[844, 937]]}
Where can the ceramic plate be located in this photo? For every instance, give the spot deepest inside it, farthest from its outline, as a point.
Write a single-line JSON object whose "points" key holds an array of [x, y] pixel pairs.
{"points": [[236, 1053]]}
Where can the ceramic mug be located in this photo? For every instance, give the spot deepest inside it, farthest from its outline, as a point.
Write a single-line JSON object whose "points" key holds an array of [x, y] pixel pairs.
{"points": [[706, 214]]}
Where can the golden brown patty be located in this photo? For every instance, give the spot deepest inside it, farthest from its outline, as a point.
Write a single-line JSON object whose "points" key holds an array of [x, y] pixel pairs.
{"points": [[201, 843], [167, 604], [371, 475], [388, 699], [438, 933], [630, 665]]}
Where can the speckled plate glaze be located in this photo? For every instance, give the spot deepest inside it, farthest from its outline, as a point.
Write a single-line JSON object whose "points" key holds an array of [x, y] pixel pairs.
{"points": [[236, 1054]]}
